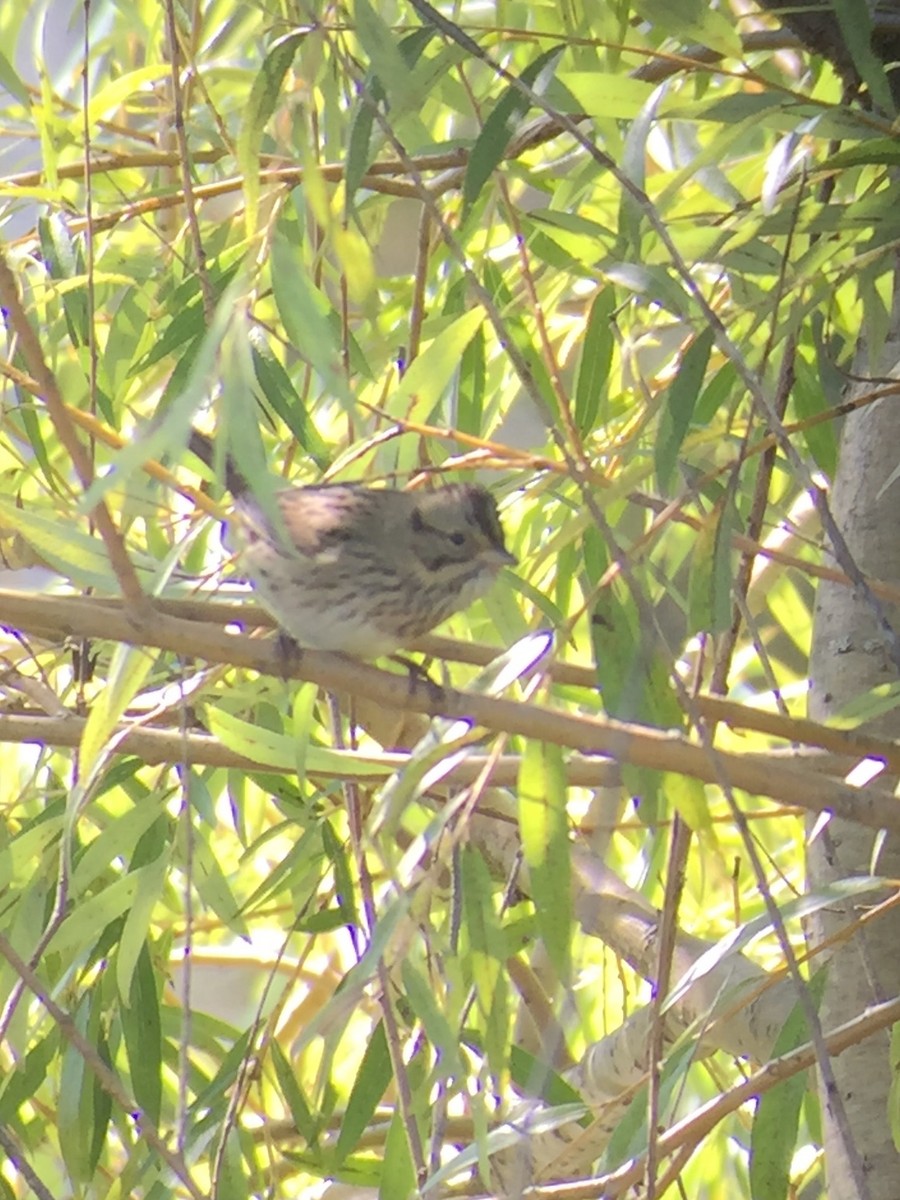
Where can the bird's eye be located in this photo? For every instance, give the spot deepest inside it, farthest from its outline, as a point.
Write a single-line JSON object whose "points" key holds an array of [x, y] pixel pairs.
{"points": [[458, 539]]}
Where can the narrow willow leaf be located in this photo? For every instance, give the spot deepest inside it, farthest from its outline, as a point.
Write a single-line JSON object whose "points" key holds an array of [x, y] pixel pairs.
{"points": [[74, 1107], [629, 1140], [607, 96], [383, 50], [212, 885], [870, 152], [501, 124], [544, 826], [270, 748], [738, 939], [171, 432], [89, 917], [142, 1031], [486, 959], [856, 27], [470, 390], [398, 1174], [437, 1028], [12, 83], [654, 283], [259, 107], [431, 372], [773, 1137], [117, 840], [21, 1085], [369, 1086], [709, 587], [810, 398], [101, 1101], [19, 855], [679, 403], [107, 100], [894, 1090], [133, 939], [345, 891], [276, 386], [231, 1181], [303, 310], [688, 797], [692, 20], [62, 545], [594, 361], [302, 714], [128, 673], [65, 261], [505, 1137], [293, 1096]]}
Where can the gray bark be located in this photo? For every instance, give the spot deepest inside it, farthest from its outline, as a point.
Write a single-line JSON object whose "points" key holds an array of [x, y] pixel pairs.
{"points": [[850, 655]]}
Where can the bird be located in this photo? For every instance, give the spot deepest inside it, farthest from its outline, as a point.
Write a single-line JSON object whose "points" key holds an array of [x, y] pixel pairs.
{"points": [[364, 570]]}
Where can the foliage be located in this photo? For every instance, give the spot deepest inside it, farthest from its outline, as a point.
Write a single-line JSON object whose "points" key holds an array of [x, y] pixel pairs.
{"points": [[267, 941]]}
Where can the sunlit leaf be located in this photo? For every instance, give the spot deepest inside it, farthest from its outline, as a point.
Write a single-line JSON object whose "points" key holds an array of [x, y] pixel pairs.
{"points": [[544, 827], [371, 1081], [774, 1134], [261, 104]]}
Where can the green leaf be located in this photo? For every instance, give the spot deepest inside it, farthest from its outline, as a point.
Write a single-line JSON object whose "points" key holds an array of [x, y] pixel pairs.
{"points": [[739, 939], [132, 943], [437, 1028], [12, 83], [607, 96], [709, 589], [171, 432], [487, 958], [657, 284], [773, 1137], [388, 63], [680, 400], [856, 29], [362, 124], [212, 884], [692, 21], [430, 373], [128, 672], [629, 1139], [293, 1096], [65, 261], [276, 386], [110, 98], [78, 556], [882, 152], [595, 361], [810, 399], [344, 889], [398, 1174], [142, 1031], [87, 920], [894, 1090], [231, 1181], [117, 840], [259, 107], [303, 311], [270, 748], [75, 1105], [544, 825], [369, 1086], [501, 124]]}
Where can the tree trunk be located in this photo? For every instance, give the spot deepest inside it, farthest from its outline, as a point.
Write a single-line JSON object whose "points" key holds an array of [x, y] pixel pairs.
{"points": [[850, 655]]}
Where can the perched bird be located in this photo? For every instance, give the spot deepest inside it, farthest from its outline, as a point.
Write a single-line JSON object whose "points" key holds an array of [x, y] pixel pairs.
{"points": [[365, 570]]}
